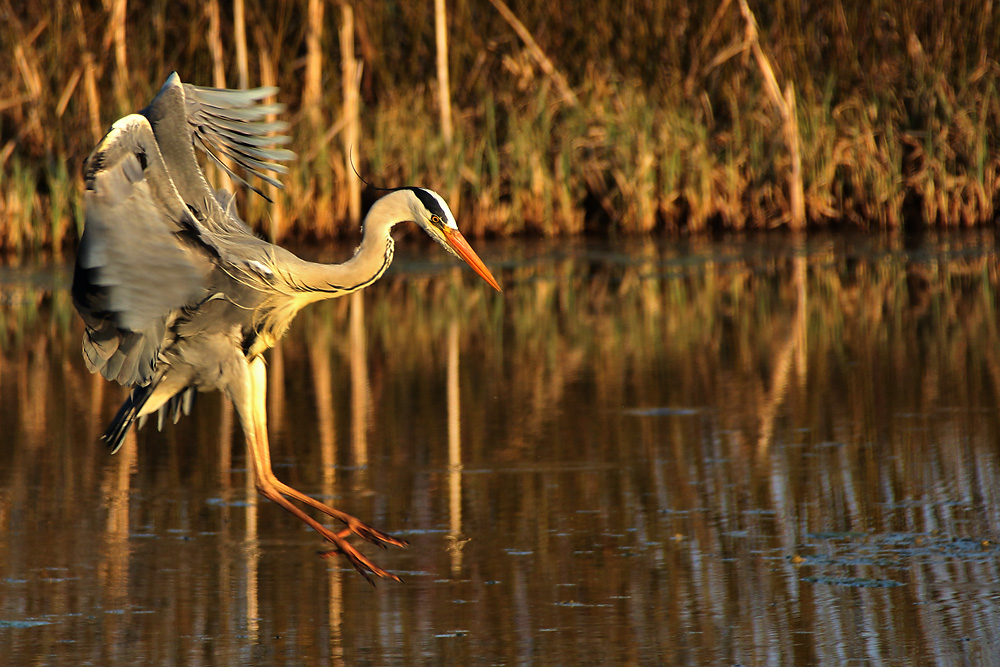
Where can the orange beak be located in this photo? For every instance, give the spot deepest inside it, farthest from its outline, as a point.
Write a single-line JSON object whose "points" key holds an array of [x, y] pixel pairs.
{"points": [[465, 251]]}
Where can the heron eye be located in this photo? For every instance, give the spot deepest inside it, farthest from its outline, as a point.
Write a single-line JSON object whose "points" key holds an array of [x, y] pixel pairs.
{"points": [[436, 219]]}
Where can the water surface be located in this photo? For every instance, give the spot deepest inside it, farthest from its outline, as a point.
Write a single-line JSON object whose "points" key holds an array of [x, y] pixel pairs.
{"points": [[762, 451]]}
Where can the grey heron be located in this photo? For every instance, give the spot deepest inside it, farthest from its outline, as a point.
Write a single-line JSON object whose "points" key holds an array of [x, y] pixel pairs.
{"points": [[179, 295]]}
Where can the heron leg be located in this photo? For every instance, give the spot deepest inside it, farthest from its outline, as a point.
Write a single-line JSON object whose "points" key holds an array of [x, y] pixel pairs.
{"points": [[252, 408]]}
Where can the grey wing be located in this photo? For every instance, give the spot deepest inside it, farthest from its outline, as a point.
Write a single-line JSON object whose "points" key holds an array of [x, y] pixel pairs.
{"points": [[234, 124], [139, 261]]}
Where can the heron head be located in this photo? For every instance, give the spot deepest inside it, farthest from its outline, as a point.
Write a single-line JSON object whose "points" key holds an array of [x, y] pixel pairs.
{"points": [[431, 212]]}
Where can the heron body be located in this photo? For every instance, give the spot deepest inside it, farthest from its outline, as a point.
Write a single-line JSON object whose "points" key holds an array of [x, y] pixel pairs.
{"points": [[179, 295]]}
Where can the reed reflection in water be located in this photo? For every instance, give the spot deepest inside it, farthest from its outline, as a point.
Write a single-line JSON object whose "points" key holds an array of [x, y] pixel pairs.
{"points": [[756, 452]]}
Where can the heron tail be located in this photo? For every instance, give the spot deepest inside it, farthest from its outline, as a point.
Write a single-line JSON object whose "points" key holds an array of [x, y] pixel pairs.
{"points": [[114, 435], [132, 410]]}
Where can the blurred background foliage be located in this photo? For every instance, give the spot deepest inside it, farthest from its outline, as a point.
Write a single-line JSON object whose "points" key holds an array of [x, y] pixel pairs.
{"points": [[668, 126]]}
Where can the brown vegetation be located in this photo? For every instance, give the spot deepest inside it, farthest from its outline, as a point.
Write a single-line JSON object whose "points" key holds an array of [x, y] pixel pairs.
{"points": [[566, 117]]}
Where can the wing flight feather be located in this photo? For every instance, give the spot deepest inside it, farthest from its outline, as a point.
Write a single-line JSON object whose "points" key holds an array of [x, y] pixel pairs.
{"points": [[138, 262]]}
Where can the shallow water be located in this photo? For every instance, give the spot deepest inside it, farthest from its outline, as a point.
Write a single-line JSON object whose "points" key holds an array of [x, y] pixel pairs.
{"points": [[762, 451]]}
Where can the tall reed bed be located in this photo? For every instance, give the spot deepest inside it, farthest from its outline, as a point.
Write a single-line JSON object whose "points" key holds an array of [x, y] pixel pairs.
{"points": [[667, 125]]}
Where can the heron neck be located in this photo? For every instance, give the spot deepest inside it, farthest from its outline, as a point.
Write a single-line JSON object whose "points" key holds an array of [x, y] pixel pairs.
{"points": [[372, 257]]}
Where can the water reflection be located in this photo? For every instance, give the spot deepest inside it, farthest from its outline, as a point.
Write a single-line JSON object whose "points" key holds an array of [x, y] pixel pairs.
{"points": [[773, 451]]}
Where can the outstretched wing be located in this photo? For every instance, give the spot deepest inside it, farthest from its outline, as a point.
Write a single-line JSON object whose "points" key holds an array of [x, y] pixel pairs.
{"points": [[154, 226], [234, 124], [139, 261]]}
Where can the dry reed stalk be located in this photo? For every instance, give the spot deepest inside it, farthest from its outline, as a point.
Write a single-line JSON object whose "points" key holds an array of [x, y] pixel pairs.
{"points": [[117, 37], [89, 75], [351, 75], [267, 78], [351, 81], [444, 92], [706, 38], [30, 68], [312, 90], [29, 72], [217, 52], [215, 43], [536, 52], [5, 153], [787, 109], [12, 102], [444, 82], [240, 35], [93, 101], [68, 90]]}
